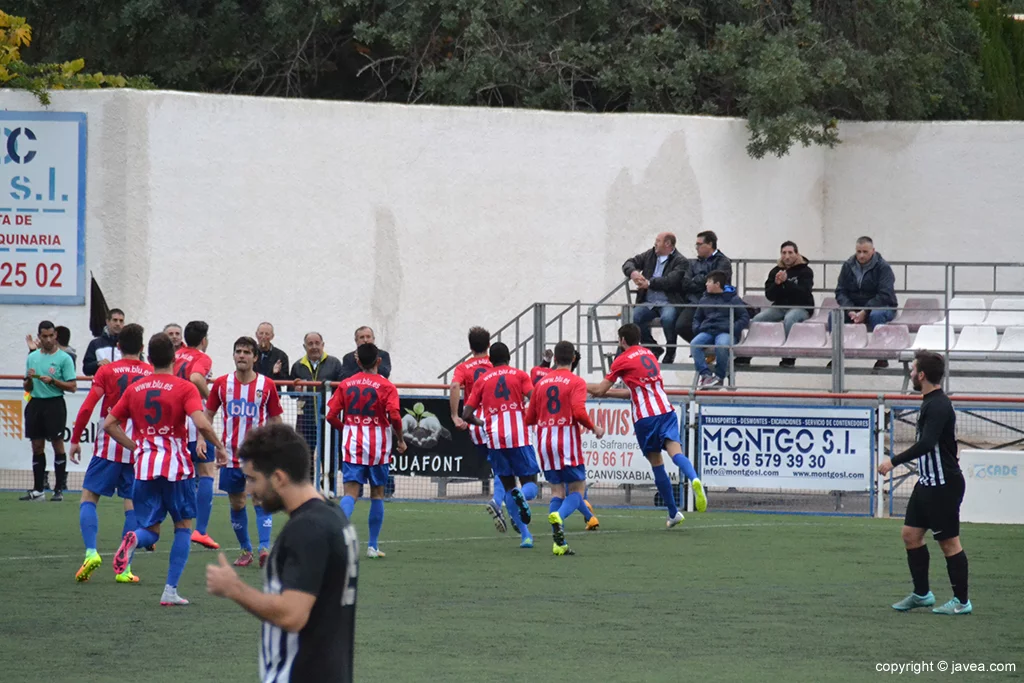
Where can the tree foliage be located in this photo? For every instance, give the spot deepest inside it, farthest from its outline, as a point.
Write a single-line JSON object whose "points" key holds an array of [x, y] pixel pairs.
{"points": [[792, 68], [39, 79], [1002, 61]]}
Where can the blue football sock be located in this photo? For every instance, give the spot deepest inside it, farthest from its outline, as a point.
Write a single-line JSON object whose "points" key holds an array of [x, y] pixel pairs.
{"points": [[684, 465], [145, 539], [571, 504], [376, 520], [499, 491], [664, 485], [179, 555], [130, 522], [264, 525], [240, 523], [348, 504], [90, 524], [513, 512], [554, 505], [204, 504], [584, 510], [529, 490]]}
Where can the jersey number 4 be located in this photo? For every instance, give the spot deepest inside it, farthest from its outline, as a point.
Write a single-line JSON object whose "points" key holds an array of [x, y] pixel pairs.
{"points": [[501, 390]]}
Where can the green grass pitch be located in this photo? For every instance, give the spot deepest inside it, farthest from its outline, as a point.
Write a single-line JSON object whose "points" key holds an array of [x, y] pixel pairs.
{"points": [[723, 597]]}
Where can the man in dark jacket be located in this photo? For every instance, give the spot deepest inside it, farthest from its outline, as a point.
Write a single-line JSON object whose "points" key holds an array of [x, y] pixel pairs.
{"points": [[866, 281], [711, 327], [349, 365], [790, 284], [106, 341], [315, 366], [708, 259], [657, 275], [270, 360]]}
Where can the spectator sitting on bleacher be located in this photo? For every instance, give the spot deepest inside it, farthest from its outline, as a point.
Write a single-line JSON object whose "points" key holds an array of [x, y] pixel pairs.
{"points": [[711, 326], [708, 259], [657, 274], [790, 283], [867, 281]]}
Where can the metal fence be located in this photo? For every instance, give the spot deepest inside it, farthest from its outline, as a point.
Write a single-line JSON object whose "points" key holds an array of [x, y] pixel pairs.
{"points": [[445, 468]]}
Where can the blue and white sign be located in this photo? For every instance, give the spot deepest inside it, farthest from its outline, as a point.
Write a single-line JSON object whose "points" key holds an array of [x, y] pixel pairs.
{"points": [[42, 208], [791, 447]]}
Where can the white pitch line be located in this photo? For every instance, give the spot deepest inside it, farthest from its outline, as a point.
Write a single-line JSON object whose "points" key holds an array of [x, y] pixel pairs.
{"points": [[492, 537]]}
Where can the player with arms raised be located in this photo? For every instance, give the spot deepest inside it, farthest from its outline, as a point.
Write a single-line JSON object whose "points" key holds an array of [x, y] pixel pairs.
{"points": [[191, 363], [111, 468], [654, 418], [500, 394], [158, 407], [248, 400], [559, 409], [369, 403]]}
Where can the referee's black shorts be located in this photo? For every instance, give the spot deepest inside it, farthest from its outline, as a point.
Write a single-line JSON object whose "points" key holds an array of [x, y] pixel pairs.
{"points": [[46, 418], [937, 508]]}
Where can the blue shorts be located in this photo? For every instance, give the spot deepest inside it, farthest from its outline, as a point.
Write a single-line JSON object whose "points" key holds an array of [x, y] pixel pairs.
{"points": [[103, 477], [567, 475], [513, 462], [652, 432], [211, 452], [154, 499], [232, 480], [376, 474]]}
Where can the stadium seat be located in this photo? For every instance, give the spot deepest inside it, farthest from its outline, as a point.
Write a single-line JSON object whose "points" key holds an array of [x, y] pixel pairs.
{"points": [[885, 343], [918, 311], [965, 311], [808, 340], [933, 338], [758, 301], [763, 339], [854, 337], [822, 313], [977, 338], [1006, 312], [1013, 340]]}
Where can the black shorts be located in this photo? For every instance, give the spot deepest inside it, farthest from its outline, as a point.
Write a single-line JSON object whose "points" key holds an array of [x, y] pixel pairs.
{"points": [[936, 508], [46, 418]]}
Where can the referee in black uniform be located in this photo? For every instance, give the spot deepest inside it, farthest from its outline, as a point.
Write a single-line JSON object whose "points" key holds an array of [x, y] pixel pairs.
{"points": [[308, 603], [935, 502]]}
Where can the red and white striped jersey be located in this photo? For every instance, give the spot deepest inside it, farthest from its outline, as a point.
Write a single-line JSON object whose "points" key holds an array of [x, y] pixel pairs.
{"points": [[369, 403], [158, 406], [187, 362], [110, 383], [500, 393], [559, 408], [639, 369], [245, 406], [466, 375]]}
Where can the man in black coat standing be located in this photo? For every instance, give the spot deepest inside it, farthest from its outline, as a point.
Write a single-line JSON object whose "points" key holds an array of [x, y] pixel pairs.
{"points": [[693, 285], [349, 365], [657, 274], [270, 360]]}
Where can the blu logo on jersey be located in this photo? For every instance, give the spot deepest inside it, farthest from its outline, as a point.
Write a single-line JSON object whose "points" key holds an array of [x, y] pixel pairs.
{"points": [[240, 408]]}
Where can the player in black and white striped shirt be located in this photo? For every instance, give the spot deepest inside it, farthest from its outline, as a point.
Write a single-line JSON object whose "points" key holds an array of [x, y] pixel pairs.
{"points": [[308, 603], [935, 502]]}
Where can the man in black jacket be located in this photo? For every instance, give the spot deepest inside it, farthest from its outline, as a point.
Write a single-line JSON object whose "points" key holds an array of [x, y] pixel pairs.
{"points": [[693, 283], [866, 281], [270, 360], [107, 340], [349, 365], [657, 274], [790, 284]]}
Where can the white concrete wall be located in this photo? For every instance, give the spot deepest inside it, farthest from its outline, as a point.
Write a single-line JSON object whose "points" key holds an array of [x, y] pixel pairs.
{"points": [[423, 221], [420, 221]]}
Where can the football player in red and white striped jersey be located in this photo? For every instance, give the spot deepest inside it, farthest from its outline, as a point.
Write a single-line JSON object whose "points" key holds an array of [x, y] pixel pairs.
{"points": [[559, 409], [654, 419], [369, 403], [246, 400], [112, 467], [500, 394], [158, 406]]}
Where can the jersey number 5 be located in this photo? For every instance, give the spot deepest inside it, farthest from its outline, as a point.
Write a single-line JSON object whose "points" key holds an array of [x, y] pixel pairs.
{"points": [[155, 411]]}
